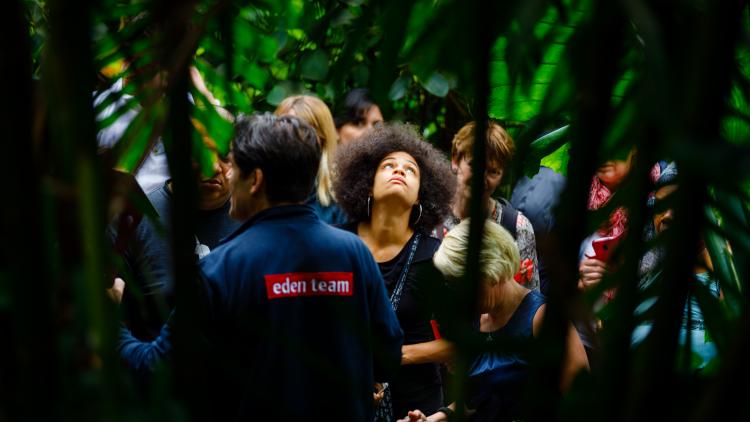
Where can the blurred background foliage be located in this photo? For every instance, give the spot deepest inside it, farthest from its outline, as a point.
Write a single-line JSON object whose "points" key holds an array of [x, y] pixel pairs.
{"points": [[574, 81]]}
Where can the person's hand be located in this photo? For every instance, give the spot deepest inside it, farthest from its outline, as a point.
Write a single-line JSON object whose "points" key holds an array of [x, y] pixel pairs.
{"points": [[418, 416], [526, 272], [115, 292], [590, 273], [377, 396], [414, 416]]}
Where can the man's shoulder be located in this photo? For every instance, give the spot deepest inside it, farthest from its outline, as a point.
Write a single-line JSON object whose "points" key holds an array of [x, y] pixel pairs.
{"points": [[161, 200], [523, 223]]}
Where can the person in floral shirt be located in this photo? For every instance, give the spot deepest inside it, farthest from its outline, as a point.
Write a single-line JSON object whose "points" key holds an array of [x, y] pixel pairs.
{"points": [[500, 150]]}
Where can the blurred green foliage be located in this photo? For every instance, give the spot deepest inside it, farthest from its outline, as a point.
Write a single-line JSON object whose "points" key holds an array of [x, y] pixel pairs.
{"points": [[575, 82]]}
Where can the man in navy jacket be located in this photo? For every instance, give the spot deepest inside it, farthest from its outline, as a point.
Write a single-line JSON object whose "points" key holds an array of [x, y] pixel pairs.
{"points": [[296, 311]]}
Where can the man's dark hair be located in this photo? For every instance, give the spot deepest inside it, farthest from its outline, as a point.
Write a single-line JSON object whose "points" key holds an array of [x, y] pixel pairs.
{"points": [[357, 162], [285, 148], [354, 108]]}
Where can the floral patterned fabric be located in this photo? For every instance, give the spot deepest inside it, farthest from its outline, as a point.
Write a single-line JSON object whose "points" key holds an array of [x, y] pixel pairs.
{"points": [[618, 220]]}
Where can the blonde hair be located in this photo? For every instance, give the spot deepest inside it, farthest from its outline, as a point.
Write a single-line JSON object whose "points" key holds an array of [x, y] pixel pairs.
{"points": [[499, 259], [500, 147], [317, 114]]}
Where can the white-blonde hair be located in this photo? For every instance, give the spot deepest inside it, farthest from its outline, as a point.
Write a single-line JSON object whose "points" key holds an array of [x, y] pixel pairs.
{"points": [[499, 259], [317, 114]]}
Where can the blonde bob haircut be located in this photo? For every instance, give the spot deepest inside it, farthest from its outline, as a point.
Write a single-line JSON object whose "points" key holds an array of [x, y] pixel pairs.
{"points": [[499, 260], [500, 146], [317, 114]]}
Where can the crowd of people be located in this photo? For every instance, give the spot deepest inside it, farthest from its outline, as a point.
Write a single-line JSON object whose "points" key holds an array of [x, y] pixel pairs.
{"points": [[324, 245]]}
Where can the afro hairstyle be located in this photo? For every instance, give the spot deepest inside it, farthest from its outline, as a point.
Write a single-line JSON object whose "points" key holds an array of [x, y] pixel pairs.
{"points": [[357, 162]]}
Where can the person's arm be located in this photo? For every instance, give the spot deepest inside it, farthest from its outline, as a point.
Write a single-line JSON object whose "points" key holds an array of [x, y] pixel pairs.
{"points": [[436, 297], [200, 85], [527, 251], [575, 354], [142, 356], [440, 350], [441, 415]]}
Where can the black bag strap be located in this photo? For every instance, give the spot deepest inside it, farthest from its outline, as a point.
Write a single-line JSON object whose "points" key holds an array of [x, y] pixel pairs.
{"points": [[508, 217], [399, 289]]}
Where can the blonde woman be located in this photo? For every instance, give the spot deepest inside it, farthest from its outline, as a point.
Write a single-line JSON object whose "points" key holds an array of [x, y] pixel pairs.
{"points": [[508, 311], [317, 114]]}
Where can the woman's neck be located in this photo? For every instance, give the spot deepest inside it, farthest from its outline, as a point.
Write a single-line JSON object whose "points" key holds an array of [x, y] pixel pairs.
{"points": [[511, 296], [461, 206], [387, 232]]}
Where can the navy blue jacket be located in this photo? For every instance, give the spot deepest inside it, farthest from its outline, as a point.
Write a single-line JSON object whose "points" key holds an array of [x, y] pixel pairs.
{"points": [[298, 319]]}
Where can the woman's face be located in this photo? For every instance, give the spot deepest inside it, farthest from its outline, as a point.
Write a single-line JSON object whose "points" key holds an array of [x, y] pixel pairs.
{"points": [[492, 175], [351, 131], [397, 176], [663, 218], [214, 191], [613, 172]]}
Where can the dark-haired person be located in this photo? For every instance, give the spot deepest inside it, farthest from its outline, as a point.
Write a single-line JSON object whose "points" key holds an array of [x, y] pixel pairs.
{"points": [[151, 291], [396, 188], [500, 150], [605, 183], [317, 114], [693, 330], [356, 115], [294, 309]]}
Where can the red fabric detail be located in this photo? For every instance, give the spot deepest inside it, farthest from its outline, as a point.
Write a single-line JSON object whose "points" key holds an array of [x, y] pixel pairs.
{"points": [[309, 284], [435, 329], [598, 197], [526, 271]]}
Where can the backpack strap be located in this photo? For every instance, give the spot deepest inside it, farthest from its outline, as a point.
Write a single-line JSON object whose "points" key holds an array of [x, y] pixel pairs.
{"points": [[508, 217]]}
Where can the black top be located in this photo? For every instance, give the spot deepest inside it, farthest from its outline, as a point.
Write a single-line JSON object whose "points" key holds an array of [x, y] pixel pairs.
{"points": [[415, 386]]}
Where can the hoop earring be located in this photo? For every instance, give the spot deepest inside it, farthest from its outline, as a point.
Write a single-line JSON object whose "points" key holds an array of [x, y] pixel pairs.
{"points": [[419, 216], [368, 205]]}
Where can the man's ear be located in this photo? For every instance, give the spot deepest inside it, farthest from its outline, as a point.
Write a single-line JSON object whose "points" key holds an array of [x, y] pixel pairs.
{"points": [[257, 181]]}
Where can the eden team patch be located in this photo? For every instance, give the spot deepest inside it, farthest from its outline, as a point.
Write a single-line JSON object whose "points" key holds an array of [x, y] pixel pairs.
{"points": [[309, 284]]}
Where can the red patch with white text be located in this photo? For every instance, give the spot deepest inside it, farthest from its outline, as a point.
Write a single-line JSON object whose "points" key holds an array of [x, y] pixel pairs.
{"points": [[309, 284]]}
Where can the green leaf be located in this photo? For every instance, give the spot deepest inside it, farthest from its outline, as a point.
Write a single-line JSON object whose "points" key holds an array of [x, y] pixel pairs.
{"points": [[398, 89], [267, 48], [558, 160], [256, 75], [314, 65], [276, 95], [437, 85], [360, 75]]}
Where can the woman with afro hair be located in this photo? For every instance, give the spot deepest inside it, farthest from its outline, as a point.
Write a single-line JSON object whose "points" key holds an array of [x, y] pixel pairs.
{"points": [[396, 188]]}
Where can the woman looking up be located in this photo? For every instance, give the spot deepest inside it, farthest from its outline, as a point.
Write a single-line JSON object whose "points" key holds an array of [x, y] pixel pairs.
{"points": [[396, 188], [316, 113]]}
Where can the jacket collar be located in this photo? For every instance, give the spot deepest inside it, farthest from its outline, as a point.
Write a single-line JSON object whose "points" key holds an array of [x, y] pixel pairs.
{"points": [[298, 213]]}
